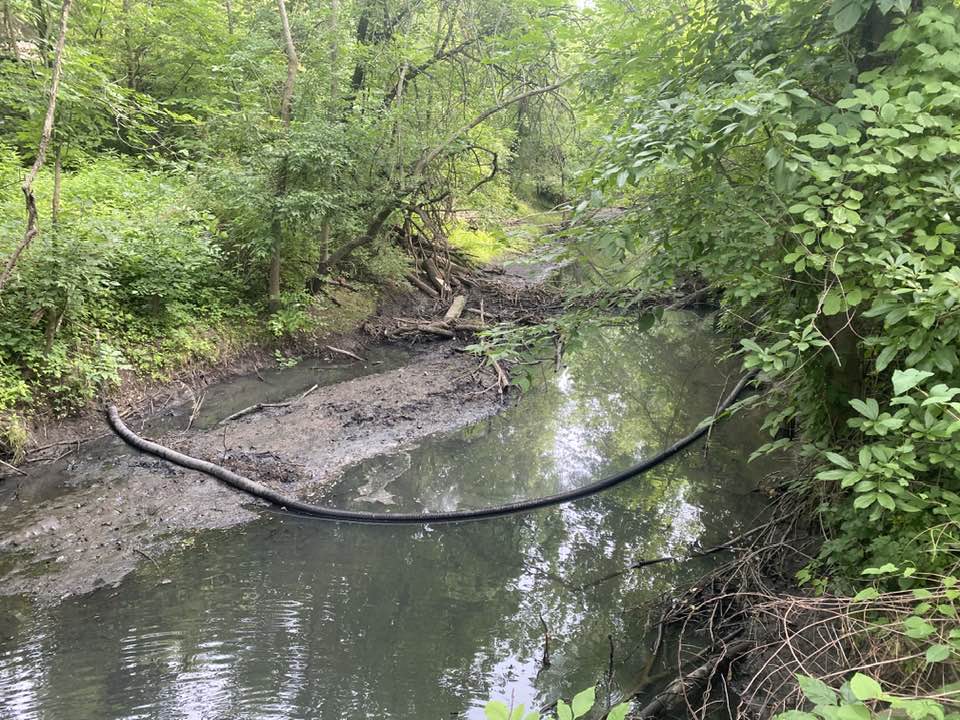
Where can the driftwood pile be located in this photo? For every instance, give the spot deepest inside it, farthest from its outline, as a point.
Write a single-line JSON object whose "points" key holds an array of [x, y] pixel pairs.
{"points": [[446, 326]]}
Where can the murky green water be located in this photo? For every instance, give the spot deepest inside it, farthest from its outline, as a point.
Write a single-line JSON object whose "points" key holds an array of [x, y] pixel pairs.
{"points": [[295, 618]]}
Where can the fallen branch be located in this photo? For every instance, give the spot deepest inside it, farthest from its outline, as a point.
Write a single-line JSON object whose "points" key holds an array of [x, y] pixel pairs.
{"points": [[503, 380], [148, 557], [680, 688], [17, 470], [456, 308], [196, 409], [417, 282], [252, 409], [331, 348], [728, 545]]}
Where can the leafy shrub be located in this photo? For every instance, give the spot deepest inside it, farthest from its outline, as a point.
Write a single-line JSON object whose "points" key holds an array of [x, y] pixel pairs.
{"points": [[129, 267], [581, 704], [829, 216]]}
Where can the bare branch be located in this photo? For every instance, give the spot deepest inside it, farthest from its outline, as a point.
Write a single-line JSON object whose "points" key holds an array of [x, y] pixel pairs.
{"points": [[431, 155], [33, 228]]}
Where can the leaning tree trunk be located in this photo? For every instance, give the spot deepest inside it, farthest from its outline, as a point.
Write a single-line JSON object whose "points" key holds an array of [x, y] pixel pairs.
{"points": [[286, 113], [33, 227]]}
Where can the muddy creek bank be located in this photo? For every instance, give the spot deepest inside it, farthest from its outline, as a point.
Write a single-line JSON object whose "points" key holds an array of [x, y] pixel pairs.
{"points": [[292, 618], [92, 518]]}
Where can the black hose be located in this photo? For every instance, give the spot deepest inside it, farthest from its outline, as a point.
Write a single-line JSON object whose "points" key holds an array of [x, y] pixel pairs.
{"points": [[262, 491]]}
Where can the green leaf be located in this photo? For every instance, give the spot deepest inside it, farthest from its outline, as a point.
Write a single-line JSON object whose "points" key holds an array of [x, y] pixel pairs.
{"points": [[496, 710], [886, 501], [618, 712], [583, 701], [864, 687], [870, 593], [846, 14], [795, 715], [832, 303], [869, 409], [938, 653], [817, 691], [904, 380], [886, 356], [854, 712], [840, 460], [917, 628], [563, 711]]}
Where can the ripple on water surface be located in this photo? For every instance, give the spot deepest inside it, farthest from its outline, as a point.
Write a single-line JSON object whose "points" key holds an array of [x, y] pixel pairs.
{"points": [[294, 618]]}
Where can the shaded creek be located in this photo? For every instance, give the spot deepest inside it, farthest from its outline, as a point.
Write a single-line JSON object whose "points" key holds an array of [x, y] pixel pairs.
{"points": [[290, 617]]}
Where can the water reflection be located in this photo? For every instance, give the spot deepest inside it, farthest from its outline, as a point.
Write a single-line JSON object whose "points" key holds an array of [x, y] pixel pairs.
{"points": [[294, 618]]}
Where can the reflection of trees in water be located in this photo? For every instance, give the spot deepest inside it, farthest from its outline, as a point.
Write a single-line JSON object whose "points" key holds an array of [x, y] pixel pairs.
{"points": [[301, 619]]}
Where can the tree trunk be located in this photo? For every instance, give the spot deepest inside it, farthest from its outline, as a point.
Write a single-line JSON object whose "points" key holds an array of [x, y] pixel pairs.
{"points": [[427, 157], [129, 53], [8, 29], [293, 64], [229, 8], [57, 179], [332, 104], [286, 115], [33, 228]]}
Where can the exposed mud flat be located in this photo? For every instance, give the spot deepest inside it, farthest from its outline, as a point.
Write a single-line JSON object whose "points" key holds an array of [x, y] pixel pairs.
{"points": [[88, 522]]}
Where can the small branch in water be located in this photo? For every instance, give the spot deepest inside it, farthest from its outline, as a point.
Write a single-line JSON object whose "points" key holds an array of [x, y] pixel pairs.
{"points": [[141, 552], [610, 673], [196, 409], [262, 406], [253, 409], [703, 553], [503, 380], [677, 691], [17, 470], [331, 348], [545, 660]]}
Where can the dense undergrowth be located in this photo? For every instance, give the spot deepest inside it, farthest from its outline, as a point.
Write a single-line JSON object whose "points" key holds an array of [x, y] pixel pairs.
{"points": [[800, 158], [132, 278], [214, 174], [221, 167]]}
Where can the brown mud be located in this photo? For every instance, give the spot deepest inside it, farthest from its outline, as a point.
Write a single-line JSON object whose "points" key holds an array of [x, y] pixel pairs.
{"points": [[84, 521]]}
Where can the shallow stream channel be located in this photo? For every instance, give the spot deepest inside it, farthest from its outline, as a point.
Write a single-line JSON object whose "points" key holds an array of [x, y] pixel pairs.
{"points": [[291, 617]]}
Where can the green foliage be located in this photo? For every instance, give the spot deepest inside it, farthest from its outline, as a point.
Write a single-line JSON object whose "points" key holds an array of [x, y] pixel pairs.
{"points": [[581, 704], [183, 182], [129, 264], [482, 244], [826, 205], [862, 698]]}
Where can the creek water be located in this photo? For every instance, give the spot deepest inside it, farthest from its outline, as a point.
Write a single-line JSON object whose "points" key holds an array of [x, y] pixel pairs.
{"points": [[290, 617]]}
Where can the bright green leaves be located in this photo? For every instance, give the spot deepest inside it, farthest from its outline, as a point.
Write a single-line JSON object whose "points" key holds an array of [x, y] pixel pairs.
{"points": [[863, 698], [496, 710], [904, 380], [864, 687], [917, 628], [581, 704], [583, 701], [817, 691], [832, 302]]}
